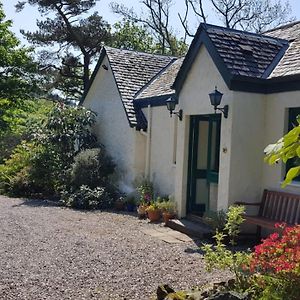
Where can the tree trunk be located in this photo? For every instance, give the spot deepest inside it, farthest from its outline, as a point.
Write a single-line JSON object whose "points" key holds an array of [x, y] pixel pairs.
{"points": [[86, 72]]}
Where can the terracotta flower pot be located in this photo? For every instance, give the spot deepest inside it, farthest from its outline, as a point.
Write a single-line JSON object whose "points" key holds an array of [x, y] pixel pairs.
{"points": [[141, 209], [167, 216], [153, 215], [119, 205]]}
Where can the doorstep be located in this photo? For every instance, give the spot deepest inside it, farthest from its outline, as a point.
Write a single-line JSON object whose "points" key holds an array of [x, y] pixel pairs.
{"points": [[168, 235], [190, 228]]}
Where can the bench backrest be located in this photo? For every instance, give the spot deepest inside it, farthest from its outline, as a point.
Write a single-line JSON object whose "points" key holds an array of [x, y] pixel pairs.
{"points": [[281, 207]]}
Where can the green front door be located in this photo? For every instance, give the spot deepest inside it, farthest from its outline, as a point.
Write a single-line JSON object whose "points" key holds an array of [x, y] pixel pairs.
{"points": [[204, 154]]}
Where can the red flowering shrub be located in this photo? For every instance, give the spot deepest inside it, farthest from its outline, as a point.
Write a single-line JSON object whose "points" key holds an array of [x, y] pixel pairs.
{"points": [[275, 265], [279, 253]]}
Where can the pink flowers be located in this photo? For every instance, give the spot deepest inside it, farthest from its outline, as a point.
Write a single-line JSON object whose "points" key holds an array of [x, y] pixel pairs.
{"points": [[278, 254]]}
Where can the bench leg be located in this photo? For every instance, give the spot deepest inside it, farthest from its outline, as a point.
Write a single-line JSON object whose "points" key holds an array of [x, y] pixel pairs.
{"points": [[258, 233]]}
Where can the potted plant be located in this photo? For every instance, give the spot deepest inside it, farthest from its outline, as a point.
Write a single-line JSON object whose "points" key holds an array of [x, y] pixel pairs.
{"points": [[120, 204], [153, 212], [146, 191], [168, 209], [142, 210], [130, 204], [146, 195]]}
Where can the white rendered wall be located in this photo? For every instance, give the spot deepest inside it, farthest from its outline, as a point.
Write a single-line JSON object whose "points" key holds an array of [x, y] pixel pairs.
{"points": [[162, 168], [247, 147], [276, 126], [112, 127]]}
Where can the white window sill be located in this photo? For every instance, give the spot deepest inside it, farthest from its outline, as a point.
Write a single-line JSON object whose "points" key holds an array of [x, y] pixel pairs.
{"points": [[295, 184]]}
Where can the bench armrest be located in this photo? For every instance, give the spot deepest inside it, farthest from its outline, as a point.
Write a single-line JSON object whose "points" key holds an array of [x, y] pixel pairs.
{"points": [[248, 203]]}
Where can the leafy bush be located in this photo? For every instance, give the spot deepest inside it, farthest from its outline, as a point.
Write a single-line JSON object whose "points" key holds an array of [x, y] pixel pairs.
{"points": [[88, 198], [220, 257], [286, 148], [25, 174], [68, 130], [277, 262], [47, 159], [19, 160], [91, 167], [215, 219]]}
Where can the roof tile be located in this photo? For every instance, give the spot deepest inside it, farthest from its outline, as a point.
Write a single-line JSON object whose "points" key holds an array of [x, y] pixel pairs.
{"points": [[132, 71], [290, 63]]}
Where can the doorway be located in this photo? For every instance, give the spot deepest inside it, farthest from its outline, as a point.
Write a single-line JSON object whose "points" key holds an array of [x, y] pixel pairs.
{"points": [[204, 158]]}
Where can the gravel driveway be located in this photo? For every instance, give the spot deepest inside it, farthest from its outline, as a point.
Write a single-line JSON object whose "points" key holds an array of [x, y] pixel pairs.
{"points": [[49, 252]]}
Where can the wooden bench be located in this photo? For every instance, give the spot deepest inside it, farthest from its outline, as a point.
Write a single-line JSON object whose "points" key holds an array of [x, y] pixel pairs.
{"points": [[275, 207]]}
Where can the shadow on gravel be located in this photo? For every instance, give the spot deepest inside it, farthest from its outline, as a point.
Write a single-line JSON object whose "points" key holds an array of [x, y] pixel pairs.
{"points": [[57, 203], [242, 245], [38, 203]]}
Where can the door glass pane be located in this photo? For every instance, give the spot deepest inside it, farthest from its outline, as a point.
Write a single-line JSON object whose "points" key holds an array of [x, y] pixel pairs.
{"points": [[215, 147], [202, 191], [203, 145]]}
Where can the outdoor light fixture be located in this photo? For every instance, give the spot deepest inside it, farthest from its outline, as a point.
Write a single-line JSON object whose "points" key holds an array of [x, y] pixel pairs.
{"points": [[215, 100], [171, 103]]}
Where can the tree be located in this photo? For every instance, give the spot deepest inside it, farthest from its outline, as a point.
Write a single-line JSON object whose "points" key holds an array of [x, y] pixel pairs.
{"points": [[75, 40], [17, 68], [130, 36], [18, 84], [286, 149], [157, 19], [249, 15]]}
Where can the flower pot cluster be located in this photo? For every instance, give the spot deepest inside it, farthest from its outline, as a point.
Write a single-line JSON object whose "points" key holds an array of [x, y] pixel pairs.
{"points": [[148, 206], [158, 209]]}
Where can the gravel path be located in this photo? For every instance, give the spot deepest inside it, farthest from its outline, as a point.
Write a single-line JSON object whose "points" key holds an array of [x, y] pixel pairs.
{"points": [[49, 252]]}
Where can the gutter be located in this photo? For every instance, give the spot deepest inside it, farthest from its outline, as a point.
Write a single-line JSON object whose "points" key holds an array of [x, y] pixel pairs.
{"points": [[148, 143]]}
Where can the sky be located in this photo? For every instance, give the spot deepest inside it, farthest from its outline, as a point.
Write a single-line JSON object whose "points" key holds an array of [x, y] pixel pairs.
{"points": [[27, 18]]}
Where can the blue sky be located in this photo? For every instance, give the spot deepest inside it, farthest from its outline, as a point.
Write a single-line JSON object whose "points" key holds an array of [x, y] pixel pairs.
{"points": [[27, 18]]}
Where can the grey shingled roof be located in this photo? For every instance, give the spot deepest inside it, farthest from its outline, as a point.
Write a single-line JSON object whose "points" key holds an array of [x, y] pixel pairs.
{"points": [[244, 53], [161, 85], [132, 71], [290, 63]]}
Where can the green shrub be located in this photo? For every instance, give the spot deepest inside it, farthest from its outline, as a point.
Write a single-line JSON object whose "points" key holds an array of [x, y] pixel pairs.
{"points": [[91, 167], [215, 219], [19, 159], [219, 257], [167, 206], [88, 198]]}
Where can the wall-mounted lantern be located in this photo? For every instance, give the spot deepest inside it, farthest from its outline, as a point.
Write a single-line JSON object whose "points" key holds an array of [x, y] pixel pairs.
{"points": [[215, 100], [171, 104]]}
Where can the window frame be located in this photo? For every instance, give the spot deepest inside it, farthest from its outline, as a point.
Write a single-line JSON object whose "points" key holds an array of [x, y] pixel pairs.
{"points": [[293, 112]]}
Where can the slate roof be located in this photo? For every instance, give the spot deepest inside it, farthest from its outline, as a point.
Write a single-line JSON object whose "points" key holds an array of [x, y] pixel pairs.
{"points": [[290, 63], [244, 53], [132, 71], [245, 60], [161, 84]]}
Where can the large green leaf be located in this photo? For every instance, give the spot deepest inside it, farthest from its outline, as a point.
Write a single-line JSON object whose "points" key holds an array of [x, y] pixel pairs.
{"points": [[291, 174]]}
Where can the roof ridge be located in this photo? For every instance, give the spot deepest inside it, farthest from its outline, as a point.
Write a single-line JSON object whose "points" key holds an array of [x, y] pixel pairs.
{"points": [[206, 26], [139, 52], [155, 77], [284, 26]]}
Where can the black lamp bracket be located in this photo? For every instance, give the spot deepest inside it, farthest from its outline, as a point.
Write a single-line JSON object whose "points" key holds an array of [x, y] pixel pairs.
{"points": [[177, 113], [224, 110]]}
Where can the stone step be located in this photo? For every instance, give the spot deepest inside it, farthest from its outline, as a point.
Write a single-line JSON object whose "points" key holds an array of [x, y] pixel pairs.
{"points": [[190, 228]]}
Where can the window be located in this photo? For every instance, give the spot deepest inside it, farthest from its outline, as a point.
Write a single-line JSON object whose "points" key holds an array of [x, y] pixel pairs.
{"points": [[293, 113]]}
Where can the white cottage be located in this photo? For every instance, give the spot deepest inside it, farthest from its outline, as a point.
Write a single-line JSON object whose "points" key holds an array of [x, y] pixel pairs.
{"points": [[205, 160]]}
